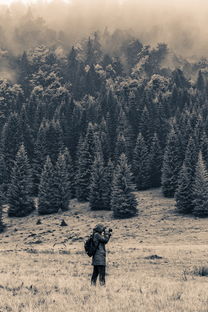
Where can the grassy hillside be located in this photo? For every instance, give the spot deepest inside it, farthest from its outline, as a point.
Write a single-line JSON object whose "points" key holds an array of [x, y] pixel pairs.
{"points": [[153, 261]]}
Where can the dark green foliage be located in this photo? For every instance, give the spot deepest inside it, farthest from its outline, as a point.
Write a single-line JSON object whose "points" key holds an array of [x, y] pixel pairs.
{"points": [[97, 103], [141, 164], [184, 193], [71, 171], [172, 163], [47, 200], [155, 162], [40, 154], [20, 188], [200, 189], [1, 222], [62, 183], [107, 185], [3, 178], [123, 201], [97, 185], [10, 142], [200, 83], [84, 166]]}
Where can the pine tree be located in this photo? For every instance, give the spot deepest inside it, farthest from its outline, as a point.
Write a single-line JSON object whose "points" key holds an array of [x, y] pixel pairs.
{"points": [[1, 222], [120, 147], [40, 154], [46, 195], [62, 189], [155, 159], [172, 163], [96, 185], [70, 171], [200, 189], [107, 185], [184, 192], [1, 203], [10, 142], [123, 201], [85, 161], [3, 177], [141, 165], [204, 148], [20, 188]]}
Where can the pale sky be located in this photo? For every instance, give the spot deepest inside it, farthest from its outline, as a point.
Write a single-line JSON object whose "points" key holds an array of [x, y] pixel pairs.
{"points": [[25, 1]]}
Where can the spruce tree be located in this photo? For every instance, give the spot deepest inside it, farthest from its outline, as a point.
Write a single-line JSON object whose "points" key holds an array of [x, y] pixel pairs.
{"points": [[155, 162], [96, 185], [20, 188], [1, 203], [3, 177], [107, 184], [85, 162], [62, 187], [70, 171], [172, 163], [1, 222], [10, 142], [123, 201], [46, 194], [184, 192], [200, 189], [40, 154], [141, 165]]}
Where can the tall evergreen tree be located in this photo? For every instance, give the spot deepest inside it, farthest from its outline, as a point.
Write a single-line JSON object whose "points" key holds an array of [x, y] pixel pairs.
{"points": [[200, 189], [96, 185], [71, 171], [172, 163], [85, 162], [1, 221], [47, 187], [184, 191], [20, 188], [107, 184], [10, 142], [123, 201], [141, 164], [62, 183], [40, 154], [155, 161]]}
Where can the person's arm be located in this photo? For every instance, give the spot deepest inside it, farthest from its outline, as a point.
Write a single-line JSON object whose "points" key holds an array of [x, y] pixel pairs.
{"points": [[102, 238]]}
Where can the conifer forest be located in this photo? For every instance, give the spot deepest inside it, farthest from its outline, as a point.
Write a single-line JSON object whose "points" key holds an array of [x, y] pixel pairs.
{"points": [[98, 119]]}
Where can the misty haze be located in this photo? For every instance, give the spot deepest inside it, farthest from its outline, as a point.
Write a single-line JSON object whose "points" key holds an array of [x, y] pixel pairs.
{"points": [[103, 156]]}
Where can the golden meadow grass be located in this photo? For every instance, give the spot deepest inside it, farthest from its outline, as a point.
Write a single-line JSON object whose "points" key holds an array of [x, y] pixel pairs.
{"points": [[151, 262]]}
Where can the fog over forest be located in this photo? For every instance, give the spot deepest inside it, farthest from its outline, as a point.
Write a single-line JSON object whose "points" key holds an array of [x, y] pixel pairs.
{"points": [[180, 24]]}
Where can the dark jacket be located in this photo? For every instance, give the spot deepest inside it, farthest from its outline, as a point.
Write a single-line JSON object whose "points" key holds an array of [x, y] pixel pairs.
{"points": [[100, 240]]}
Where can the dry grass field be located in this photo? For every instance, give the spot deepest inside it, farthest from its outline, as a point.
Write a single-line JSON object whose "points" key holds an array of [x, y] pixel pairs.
{"points": [[152, 261]]}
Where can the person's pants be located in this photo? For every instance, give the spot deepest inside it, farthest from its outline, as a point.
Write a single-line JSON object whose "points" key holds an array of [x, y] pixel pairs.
{"points": [[98, 270]]}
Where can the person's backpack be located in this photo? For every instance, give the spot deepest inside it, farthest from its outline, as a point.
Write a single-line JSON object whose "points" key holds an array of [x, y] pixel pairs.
{"points": [[89, 246]]}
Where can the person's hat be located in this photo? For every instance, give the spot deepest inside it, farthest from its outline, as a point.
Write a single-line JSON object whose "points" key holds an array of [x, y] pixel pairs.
{"points": [[99, 228]]}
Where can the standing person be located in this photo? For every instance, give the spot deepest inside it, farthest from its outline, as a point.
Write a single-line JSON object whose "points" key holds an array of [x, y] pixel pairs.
{"points": [[101, 237]]}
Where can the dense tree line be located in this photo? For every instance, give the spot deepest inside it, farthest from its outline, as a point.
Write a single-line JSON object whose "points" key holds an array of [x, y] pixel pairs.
{"points": [[95, 126]]}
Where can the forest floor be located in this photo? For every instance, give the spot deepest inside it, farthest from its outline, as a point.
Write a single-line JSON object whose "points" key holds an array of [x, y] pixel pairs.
{"points": [[153, 261]]}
